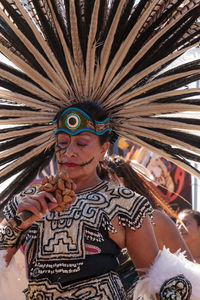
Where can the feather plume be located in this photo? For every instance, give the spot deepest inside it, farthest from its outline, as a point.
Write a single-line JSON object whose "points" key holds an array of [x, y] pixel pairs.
{"points": [[118, 54], [167, 265]]}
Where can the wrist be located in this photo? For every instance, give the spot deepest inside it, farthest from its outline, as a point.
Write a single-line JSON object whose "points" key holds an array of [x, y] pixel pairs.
{"points": [[17, 222], [9, 235]]}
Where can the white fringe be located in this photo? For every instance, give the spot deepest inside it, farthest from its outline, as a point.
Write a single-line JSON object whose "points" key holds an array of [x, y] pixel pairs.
{"points": [[166, 266]]}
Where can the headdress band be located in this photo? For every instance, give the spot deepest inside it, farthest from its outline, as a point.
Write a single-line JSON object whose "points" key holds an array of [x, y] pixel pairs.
{"points": [[74, 121]]}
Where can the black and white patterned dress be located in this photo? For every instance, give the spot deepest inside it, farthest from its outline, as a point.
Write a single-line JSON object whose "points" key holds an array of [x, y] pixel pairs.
{"points": [[70, 254]]}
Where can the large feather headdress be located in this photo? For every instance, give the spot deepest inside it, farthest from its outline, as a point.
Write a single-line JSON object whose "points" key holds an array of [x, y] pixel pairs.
{"points": [[115, 53]]}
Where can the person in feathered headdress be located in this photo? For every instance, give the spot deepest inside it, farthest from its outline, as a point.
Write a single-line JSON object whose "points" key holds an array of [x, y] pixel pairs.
{"points": [[85, 72]]}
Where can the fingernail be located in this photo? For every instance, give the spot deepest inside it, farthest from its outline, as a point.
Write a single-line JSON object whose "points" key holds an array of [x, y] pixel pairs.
{"points": [[47, 212], [54, 200], [41, 215]]}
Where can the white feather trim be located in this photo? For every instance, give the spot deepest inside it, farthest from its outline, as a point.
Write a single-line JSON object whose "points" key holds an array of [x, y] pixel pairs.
{"points": [[166, 266]]}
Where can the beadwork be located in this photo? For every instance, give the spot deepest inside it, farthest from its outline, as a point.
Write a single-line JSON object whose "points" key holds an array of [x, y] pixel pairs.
{"points": [[74, 121], [9, 236], [177, 287], [87, 222]]}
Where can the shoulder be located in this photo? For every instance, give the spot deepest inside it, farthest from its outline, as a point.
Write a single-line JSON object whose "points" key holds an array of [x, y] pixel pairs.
{"points": [[120, 191], [126, 195], [130, 207], [127, 200]]}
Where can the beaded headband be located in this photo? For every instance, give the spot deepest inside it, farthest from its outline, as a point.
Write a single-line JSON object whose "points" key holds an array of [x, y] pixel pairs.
{"points": [[74, 121]]}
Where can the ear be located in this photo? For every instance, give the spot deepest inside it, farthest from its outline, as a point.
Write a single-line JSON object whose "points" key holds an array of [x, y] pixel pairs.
{"points": [[122, 180], [104, 148]]}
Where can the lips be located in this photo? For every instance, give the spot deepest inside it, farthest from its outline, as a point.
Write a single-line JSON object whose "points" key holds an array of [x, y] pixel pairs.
{"points": [[70, 165]]}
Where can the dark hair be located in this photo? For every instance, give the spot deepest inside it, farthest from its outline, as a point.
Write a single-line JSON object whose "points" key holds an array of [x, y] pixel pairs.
{"points": [[95, 112], [133, 180], [194, 213]]}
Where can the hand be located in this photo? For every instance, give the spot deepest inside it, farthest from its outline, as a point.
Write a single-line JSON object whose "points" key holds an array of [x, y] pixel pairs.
{"points": [[38, 205]]}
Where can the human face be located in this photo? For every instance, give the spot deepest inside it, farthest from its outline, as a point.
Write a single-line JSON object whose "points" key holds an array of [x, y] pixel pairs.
{"points": [[79, 155], [191, 230]]}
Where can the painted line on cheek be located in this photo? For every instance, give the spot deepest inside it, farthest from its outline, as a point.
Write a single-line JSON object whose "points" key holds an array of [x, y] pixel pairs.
{"points": [[87, 163]]}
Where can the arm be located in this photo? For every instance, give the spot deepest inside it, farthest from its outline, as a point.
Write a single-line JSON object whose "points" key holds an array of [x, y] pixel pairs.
{"points": [[168, 235], [6, 256], [142, 247], [137, 243], [7, 250], [10, 235], [160, 275], [158, 269], [38, 205]]}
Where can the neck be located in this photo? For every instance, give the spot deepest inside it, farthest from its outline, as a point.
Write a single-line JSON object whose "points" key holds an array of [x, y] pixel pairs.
{"points": [[86, 183]]}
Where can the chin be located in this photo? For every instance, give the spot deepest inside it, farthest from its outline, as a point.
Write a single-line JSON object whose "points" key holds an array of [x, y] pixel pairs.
{"points": [[72, 173]]}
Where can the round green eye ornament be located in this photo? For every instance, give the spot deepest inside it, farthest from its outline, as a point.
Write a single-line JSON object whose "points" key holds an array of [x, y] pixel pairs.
{"points": [[74, 121]]}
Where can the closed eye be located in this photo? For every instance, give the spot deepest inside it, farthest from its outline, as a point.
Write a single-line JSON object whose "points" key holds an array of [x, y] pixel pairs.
{"points": [[81, 145]]}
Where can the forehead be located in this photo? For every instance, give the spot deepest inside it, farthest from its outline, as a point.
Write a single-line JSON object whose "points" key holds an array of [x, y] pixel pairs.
{"points": [[84, 134], [186, 218]]}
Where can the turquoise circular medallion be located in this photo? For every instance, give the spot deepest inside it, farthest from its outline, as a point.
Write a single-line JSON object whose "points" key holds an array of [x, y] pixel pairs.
{"points": [[72, 121]]}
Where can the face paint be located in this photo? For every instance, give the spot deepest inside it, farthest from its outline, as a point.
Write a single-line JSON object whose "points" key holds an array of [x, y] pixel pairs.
{"points": [[87, 162], [60, 151]]}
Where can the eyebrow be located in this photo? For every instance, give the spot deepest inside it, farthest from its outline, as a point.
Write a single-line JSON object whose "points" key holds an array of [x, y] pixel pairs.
{"points": [[83, 133], [80, 135]]}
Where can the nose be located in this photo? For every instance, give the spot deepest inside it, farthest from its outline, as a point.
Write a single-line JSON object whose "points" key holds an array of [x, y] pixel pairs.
{"points": [[70, 150]]}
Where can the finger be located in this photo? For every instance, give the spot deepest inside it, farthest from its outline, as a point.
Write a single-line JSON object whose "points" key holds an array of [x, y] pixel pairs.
{"points": [[51, 206], [44, 206], [46, 195], [30, 205], [45, 199]]}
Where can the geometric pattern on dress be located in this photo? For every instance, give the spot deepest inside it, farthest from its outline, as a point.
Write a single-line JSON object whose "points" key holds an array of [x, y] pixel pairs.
{"points": [[104, 287]]}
